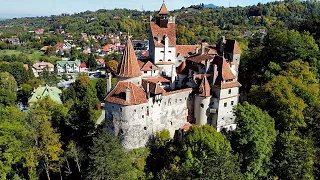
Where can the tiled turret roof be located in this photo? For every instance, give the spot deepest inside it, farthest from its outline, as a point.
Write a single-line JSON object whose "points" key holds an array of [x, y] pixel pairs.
{"points": [[163, 10], [129, 66]]}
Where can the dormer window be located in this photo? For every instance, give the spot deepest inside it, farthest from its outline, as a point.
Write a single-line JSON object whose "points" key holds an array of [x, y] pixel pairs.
{"points": [[169, 60]]}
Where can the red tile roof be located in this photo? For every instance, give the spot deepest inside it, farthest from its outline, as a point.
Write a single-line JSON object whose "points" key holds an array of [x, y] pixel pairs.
{"points": [[177, 91], [118, 94], [163, 10], [59, 45], [170, 31], [157, 79], [187, 50], [182, 68], [200, 59], [164, 63], [154, 88], [100, 61], [148, 67], [129, 66], [230, 85], [41, 65], [83, 65], [204, 87], [226, 71]]}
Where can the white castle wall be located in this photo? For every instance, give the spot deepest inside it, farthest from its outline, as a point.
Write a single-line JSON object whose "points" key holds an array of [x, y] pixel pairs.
{"points": [[135, 80], [137, 124], [201, 110]]}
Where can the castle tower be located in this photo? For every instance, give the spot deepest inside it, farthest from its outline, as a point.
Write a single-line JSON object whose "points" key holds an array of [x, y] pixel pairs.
{"points": [[129, 69], [202, 102], [162, 41]]}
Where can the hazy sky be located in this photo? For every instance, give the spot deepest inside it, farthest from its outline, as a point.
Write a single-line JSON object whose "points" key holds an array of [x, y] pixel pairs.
{"points": [[49, 7]]}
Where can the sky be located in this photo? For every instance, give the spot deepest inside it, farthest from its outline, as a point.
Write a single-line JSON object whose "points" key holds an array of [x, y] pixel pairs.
{"points": [[10, 8]]}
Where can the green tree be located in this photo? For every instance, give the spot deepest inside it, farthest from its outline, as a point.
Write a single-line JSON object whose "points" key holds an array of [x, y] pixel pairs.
{"points": [[47, 147], [92, 63], [101, 88], [49, 78], [51, 51], [254, 139], [8, 89], [25, 92], [205, 154], [13, 142], [295, 157], [108, 160]]}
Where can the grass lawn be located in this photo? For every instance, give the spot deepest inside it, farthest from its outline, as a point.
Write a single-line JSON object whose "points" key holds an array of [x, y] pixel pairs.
{"points": [[35, 55]]}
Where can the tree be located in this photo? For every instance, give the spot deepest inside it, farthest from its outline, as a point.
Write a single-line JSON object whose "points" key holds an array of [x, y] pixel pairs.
{"points": [[108, 160], [25, 92], [49, 78], [295, 157], [101, 88], [13, 142], [253, 140], [112, 66], [85, 91], [205, 154], [46, 141], [51, 51], [8, 89], [75, 152], [92, 63], [35, 83]]}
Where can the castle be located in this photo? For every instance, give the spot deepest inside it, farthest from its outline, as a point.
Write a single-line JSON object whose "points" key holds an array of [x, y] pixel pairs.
{"points": [[180, 85]]}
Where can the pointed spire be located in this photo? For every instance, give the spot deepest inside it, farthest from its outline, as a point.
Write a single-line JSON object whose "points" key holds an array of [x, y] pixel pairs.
{"points": [[129, 66], [204, 87], [163, 9]]}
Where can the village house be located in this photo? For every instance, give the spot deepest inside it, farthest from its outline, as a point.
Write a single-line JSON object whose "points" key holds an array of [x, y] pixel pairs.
{"points": [[39, 31], [39, 67], [68, 67], [179, 86], [41, 92]]}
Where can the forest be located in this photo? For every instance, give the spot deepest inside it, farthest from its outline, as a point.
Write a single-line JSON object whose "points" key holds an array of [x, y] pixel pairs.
{"points": [[278, 119]]}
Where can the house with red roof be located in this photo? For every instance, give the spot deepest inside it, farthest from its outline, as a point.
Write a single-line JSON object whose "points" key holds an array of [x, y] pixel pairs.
{"points": [[39, 31]]}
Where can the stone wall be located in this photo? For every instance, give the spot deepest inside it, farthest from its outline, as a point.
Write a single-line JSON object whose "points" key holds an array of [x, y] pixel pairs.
{"points": [[137, 124]]}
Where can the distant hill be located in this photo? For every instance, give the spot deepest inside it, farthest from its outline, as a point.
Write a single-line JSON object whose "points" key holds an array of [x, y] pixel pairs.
{"points": [[210, 6]]}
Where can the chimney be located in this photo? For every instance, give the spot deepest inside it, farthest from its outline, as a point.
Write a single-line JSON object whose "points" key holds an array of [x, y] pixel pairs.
{"points": [[203, 47], [173, 76], [148, 90], [166, 40], [215, 74], [159, 40], [128, 95], [197, 50], [151, 70], [109, 83], [223, 38]]}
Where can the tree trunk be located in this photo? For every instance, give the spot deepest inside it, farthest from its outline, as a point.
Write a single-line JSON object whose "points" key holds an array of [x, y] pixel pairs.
{"points": [[47, 172], [60, 172]]}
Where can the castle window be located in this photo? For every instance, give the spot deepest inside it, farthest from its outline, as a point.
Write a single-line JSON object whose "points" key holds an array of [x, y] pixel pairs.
{"points": [[154, 71], [162, 51], [120, 109], [225, 104], [135, 110], [169, 51], [145, 72], [202, 105], [145, 128], [169, 60], [160, 60], [180, 100], [232, 102], [142, 116], [112, 107], [229, 91], [141, 107]]}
